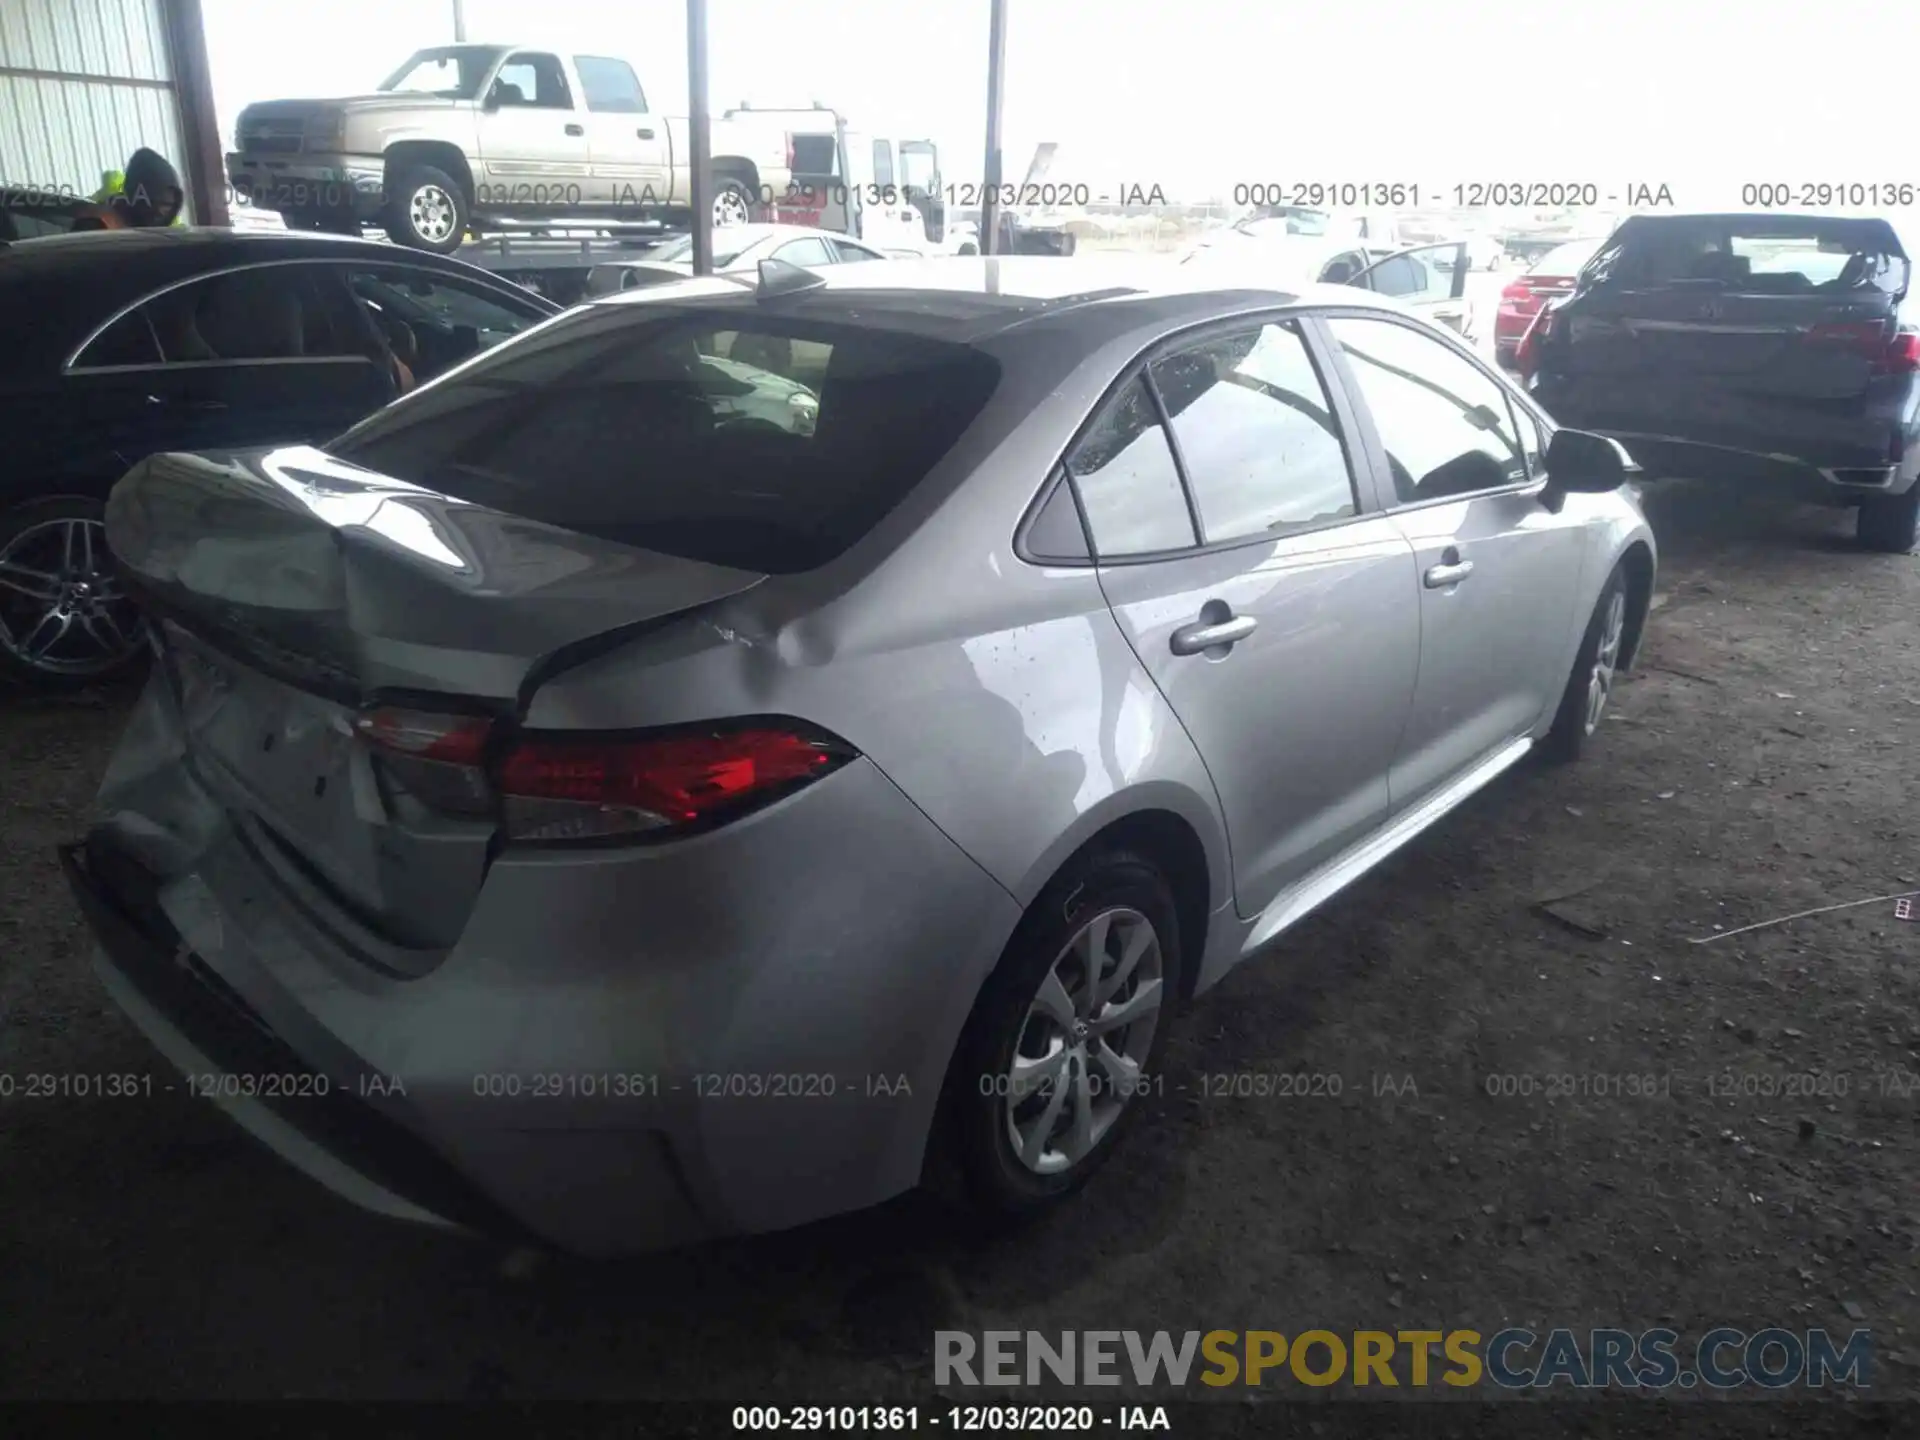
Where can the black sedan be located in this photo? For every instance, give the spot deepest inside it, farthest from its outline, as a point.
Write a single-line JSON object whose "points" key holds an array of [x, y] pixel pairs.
{"points": [[128, 342]]}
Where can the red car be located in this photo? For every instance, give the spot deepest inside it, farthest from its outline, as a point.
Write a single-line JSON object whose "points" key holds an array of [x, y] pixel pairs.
{"points": [[1548, 278]]}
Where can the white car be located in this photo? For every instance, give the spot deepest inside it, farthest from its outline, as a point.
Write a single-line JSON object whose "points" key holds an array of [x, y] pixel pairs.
{"points": [[736, 249], [1430, 278]]}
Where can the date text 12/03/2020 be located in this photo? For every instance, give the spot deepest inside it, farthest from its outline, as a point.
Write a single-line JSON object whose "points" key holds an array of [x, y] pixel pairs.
{"points": [[1334, 194], [962, 1419]]}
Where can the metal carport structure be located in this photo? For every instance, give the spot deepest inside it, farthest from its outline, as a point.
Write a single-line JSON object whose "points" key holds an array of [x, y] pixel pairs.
{"points": [[699, 123], [84, 83]]}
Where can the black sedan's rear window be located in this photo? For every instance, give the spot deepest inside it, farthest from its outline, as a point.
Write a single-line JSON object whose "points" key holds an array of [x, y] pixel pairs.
{"points": [[760, 441]]}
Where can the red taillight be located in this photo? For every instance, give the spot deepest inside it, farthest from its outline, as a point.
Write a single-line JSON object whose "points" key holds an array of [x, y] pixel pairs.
{"points": [[1526, 356], [418, 735], [1517, 295], [435, 758], [1898, 354], [1902, 356], [1867, 335], [561, 787]]}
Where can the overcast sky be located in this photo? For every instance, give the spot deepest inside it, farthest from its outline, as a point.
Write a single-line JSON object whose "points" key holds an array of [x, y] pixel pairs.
{"points": [[1201, 94]]}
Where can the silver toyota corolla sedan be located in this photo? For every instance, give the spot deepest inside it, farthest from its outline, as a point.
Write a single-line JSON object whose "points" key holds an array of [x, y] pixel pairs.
{"points": [[587, 803]]}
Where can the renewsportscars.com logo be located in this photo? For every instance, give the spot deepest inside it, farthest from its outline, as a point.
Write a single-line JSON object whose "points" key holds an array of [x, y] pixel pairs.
{"points": [[1510, 1359]]}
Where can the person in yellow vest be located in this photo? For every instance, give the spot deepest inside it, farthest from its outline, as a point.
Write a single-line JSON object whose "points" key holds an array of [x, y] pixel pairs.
{"points": [[147, 193]]}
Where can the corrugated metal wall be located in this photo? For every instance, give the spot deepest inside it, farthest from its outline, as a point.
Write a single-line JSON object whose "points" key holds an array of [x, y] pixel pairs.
{"points": [[83, 84]]}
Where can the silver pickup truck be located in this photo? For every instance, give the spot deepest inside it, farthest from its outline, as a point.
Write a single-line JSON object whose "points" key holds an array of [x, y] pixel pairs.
{"points": [[473, 137]]}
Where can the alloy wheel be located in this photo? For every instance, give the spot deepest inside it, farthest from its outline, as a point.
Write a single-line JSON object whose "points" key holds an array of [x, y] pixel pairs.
{"points": [[62, 608], [730, 208], [433, 213], [1087, 1034], [1606, 659]]}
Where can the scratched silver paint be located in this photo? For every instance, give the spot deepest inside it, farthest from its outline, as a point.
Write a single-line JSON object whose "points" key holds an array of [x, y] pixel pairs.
{"points": [[1005, 717]]}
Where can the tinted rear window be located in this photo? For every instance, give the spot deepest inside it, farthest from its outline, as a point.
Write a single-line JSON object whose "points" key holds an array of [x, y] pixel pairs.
{"points": [[764, 442], [1758, 254], [1564, 259]]}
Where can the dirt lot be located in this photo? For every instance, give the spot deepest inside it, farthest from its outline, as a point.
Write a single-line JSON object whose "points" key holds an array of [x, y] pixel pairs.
{"points": [[1757, 764]]}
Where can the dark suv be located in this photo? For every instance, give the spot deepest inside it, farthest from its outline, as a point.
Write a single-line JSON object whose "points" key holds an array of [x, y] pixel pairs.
{"points": [[1749, 348]]}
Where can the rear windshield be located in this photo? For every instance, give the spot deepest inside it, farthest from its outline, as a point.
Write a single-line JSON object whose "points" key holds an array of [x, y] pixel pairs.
{"points": [[1755, 255], [1564, 259], [765, 442]]}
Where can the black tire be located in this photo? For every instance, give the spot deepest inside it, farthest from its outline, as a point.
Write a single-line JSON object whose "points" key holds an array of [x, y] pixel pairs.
{"points": [[732, 194], [1890, 523], [29, 535], [1573, 724], [973, 1160], [437, 192]]}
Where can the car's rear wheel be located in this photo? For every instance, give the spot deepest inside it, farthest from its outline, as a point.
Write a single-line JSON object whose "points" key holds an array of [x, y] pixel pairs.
{"points": [[427, 209], [1065, 1037], [1596, 668], [65, 619], [1890, 523]]}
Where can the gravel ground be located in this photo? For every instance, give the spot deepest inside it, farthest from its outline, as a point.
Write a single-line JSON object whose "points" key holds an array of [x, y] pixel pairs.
{"points": [[1757, 764]]}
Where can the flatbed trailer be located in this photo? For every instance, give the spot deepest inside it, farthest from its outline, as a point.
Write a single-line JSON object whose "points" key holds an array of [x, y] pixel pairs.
{"points": [[556, 266]]}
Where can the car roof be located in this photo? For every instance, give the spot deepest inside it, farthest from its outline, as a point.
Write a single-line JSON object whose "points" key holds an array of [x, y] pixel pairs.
{"points": [[749, 235], [197, 246], [77, 281], [972, 299]]}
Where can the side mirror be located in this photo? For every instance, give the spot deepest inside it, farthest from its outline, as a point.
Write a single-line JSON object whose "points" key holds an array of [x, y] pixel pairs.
{"points": [[1582, 463]]}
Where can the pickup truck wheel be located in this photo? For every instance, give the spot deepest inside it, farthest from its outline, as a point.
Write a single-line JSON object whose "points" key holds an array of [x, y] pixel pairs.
{"points": [[732, 202], [427, 210]]}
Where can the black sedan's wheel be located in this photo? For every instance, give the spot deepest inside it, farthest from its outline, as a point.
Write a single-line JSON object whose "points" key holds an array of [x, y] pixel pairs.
{"points": [[65, 620], [1065, 1037]]}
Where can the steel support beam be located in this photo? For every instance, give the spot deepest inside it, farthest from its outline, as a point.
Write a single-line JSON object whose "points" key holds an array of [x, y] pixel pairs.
{"points": [[700, 138], [459, 22], [204, 167], [991, 172]]}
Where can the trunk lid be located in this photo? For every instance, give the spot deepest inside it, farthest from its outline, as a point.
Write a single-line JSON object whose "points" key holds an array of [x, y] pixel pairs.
{"points": [[297, 589], [1761, 305]]}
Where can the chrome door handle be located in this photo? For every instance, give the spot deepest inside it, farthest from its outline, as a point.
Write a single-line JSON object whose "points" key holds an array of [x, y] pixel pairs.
{"points": [[1208, 634], [1441, 576]]}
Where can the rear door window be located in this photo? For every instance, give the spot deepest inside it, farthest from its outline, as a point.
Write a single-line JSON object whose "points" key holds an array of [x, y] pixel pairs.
{"points": [[267, 313], [808, 252], [766, 442], [609, 86], [1257, 434]]}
